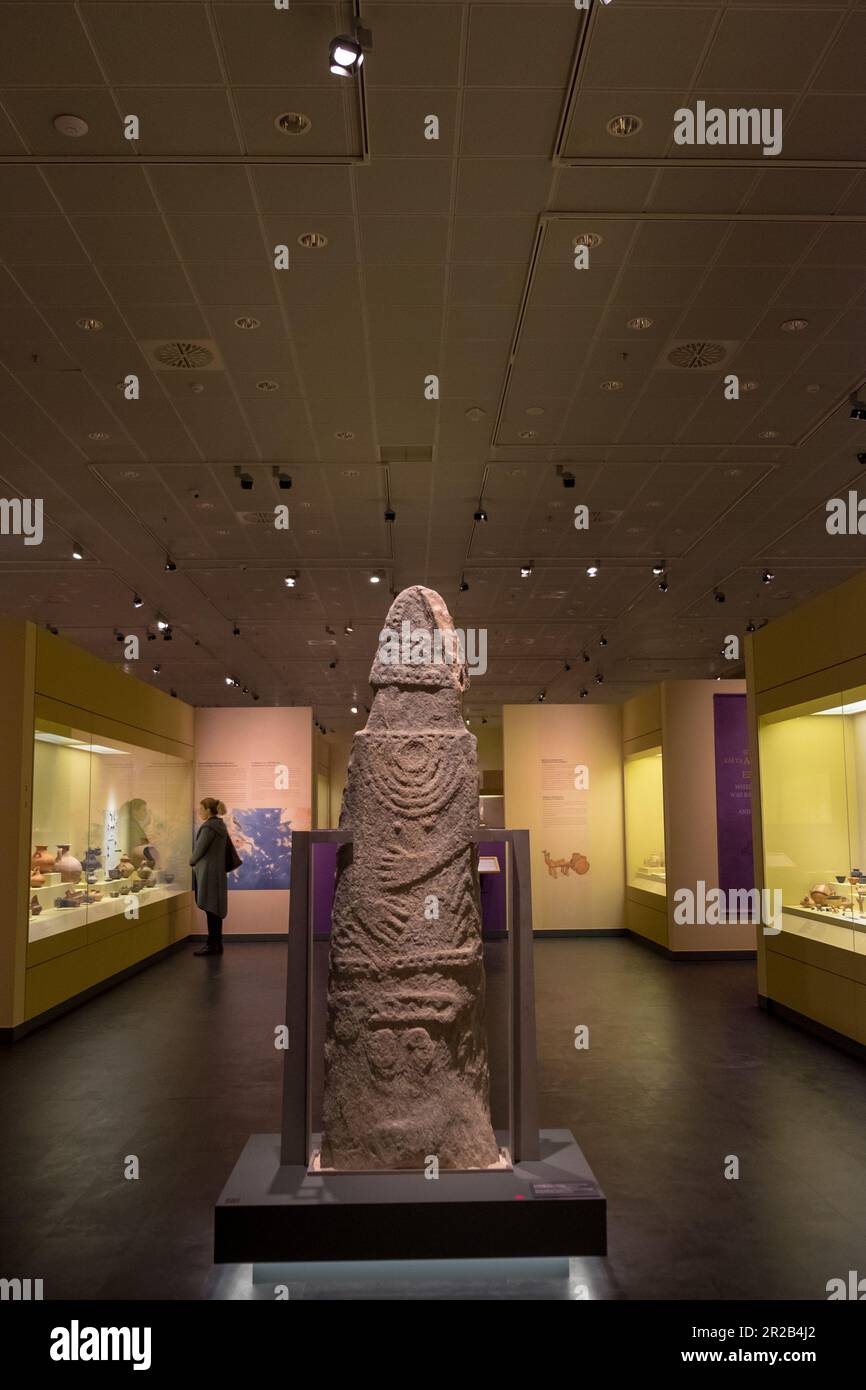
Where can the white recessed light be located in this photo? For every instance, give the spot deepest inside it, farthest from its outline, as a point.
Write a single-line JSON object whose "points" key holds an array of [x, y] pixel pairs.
{"points": [[640, 323], [592, 571], [374, 579], [246, 321]]}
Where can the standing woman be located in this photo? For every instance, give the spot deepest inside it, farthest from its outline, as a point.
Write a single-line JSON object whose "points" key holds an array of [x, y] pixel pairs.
{"points": [[211, 883]]}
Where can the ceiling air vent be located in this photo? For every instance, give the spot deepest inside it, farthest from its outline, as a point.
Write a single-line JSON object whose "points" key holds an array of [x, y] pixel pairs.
{"points": [[182, 355], [692, 356], [255, 518], [407, 453]]}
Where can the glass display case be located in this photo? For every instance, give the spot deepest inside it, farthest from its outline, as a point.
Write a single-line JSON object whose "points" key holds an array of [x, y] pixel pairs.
{"points": [[645, 821], [813, 799], [111, 827]]}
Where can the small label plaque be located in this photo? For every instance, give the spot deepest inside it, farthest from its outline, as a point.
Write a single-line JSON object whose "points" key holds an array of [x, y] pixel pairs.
{"points": [[564, 1191]]}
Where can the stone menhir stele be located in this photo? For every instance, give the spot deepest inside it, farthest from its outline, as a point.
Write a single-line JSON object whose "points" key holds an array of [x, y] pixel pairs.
{"points": [[406, 1075]]}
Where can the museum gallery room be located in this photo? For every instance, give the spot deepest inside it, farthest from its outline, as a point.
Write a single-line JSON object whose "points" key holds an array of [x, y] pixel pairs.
{"points": [[433, 733]]}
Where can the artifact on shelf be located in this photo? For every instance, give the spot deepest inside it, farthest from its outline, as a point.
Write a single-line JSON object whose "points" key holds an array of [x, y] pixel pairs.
{"points": [[406, 1072], [824, 897], [35, 906], [67, 866], [37, 879], [92, 863], [42, 862], [73, 897], [125, 867]]}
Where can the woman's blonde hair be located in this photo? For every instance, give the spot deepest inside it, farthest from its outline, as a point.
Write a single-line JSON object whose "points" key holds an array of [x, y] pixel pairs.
{"points": [[213, 805]]}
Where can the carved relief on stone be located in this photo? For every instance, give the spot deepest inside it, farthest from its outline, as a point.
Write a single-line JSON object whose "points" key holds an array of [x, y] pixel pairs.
{"points": [[406, 1054]]}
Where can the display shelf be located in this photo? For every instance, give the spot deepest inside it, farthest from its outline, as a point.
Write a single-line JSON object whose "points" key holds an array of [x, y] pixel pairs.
{"points": [[643, 788]]}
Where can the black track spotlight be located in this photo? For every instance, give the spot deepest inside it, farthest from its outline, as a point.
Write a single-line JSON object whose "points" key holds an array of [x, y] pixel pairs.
{"points": [[151, 636], [659, 568], [345, 55], [291, 580], [718, 596], [592, 571], [464, 587], [236, 632], [173, 694], [584, 694], [525, 571], [858, 410], [568, 480], [390, 514], [861, 459], [663, 586], [255, 695], [751, 627], [166, 636], [348, 629], [602, 641], [137, 602], [599, 678], [284, 481], [245, 479], [162, 623], [77, 551], [480, 515], [52, 629], [567, 666], [585, 656], [542, 697], [767, 577], [156, 669], [332, 665], [118, 635], [170, 566]]}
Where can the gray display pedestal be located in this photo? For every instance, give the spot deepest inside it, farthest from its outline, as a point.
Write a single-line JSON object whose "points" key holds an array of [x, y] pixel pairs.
{"points": [[274, 1210]]}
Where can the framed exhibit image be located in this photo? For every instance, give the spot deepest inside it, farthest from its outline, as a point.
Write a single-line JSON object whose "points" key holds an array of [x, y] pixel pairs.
{"points": [[645, 821], [110, 828], [813, 795]]}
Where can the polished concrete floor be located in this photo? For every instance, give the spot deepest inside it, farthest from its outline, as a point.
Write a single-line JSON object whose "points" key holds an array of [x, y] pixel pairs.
{"points": [[177, 1067]]}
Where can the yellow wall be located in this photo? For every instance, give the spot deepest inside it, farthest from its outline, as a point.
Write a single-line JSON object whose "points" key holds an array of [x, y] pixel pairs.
{"points": [[542, 742]]}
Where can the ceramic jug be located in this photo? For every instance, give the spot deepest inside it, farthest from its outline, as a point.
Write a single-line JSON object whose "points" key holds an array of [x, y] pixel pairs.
{"points": [[42, 860], [68, 867]]}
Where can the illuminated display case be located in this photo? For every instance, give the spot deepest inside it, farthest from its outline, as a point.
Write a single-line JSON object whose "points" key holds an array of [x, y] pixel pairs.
{"points": [[111, 829], [645, 821], [813, 796]]}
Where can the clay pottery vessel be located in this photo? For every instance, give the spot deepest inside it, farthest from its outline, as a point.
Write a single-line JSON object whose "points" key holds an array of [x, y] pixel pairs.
{"points": [[35, 906], [168, 878], [92, 863], [126, 866], [144, 872], [37, 879], [67, 866], [42, 860]]}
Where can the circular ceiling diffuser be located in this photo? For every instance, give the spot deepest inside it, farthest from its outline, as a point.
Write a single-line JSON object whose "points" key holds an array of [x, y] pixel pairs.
{"points": [[183, 356], [588, 239], [293, 123], [691, 355], [313, 241], [266, 386], [71, 126]]}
